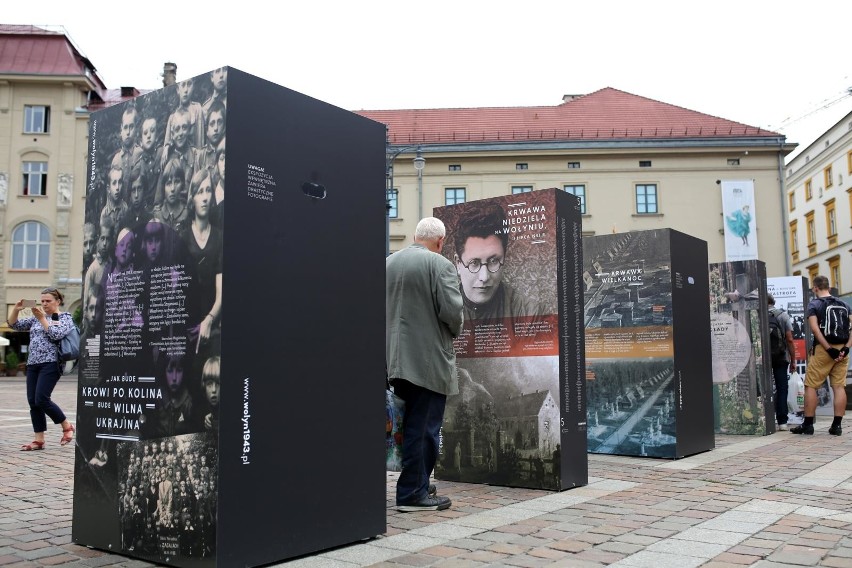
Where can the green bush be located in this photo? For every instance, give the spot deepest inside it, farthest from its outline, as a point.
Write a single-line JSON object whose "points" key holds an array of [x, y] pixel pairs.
{"points": [[11, 359]]}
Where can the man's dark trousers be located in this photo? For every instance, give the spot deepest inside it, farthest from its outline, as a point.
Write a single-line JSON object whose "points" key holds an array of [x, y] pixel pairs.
{"points": [[421, 428]]}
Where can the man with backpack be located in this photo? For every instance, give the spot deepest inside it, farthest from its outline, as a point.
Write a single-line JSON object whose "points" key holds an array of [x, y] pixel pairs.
{"points": [[828, 319], [783, 353]]}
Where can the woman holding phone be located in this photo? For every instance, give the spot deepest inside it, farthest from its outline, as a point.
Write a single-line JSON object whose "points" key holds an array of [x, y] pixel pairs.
{"points": [[47, 326]]}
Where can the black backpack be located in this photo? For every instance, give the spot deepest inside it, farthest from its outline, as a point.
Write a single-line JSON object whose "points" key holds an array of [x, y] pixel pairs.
{"points": [[833, 319], [777, 340]]}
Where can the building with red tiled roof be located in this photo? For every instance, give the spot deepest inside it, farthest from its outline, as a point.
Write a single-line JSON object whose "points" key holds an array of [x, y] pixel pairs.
{"points": [[605, 115], [47, 53], [40, 51], [604, 146], [610, 147], [48, 89]]}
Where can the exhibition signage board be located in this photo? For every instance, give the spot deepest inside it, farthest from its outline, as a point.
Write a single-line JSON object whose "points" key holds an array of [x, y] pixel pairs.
{"points": [[647, 344], [520, 416], [743, 400], [791, 294], [225, 370]]}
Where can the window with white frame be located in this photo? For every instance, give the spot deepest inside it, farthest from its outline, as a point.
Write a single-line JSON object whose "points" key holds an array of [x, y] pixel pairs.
{"points": [[646, 198], [36, 119], [834, 271], [30, 246], [35, 178], [794, 237], [830, 218], [813, 271], [393, 203], [580, 191], [454, 195], [811, 228], [516, 189]]}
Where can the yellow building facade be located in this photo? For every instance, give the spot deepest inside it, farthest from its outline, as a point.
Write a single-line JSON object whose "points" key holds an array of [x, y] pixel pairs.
{"points": [[633, 170], [42, 184], [819, 201]]}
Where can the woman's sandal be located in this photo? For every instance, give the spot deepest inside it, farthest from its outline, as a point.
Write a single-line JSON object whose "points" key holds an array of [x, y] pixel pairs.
{"points": [[67, 435], [32, 446]]}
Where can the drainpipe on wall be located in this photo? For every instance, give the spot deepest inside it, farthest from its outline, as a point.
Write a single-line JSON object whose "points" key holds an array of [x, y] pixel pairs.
{"points": [[785, 224]]}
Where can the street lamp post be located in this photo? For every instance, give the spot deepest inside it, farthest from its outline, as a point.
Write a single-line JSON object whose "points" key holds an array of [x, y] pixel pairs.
{"points": [[419, 164]]}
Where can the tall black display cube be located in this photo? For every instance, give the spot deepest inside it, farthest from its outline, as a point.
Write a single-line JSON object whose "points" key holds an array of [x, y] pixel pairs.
{"points": [[520, 416], [230, 405], [648, 364]]}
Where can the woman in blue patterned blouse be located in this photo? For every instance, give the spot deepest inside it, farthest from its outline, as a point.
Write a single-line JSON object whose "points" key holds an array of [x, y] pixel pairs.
{"points": [[47, 326]]}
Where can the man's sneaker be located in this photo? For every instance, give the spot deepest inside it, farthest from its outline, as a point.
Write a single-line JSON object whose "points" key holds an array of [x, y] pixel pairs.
{"points": [[836, 430], [432, 489], [803, 429], [428, 503], [782, 427]]}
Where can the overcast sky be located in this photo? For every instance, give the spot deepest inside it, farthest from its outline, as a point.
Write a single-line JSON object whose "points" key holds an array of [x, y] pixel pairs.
{"points": [[780, 65]]}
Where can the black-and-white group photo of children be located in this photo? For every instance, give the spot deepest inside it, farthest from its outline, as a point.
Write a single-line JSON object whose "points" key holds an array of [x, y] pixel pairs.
{"points": [[152, 307], [167, 497]]}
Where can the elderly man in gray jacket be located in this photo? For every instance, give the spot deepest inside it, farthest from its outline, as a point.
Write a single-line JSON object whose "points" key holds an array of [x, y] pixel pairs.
{"points": [[423, 314]]}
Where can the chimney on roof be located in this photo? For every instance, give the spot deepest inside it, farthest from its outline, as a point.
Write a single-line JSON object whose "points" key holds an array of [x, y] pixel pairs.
{"points": [[569, 98], [169, 74], [129, 92]]}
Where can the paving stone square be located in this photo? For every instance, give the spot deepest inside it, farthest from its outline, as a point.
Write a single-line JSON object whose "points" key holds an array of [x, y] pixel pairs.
{"points": [[775, 501]]}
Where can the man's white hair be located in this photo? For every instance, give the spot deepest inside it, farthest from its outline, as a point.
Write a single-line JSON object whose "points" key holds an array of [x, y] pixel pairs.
{"points": [[430, 229]]}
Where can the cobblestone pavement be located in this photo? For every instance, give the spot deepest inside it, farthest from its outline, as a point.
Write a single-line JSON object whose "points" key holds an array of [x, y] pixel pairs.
{"points": [[769, 502]]}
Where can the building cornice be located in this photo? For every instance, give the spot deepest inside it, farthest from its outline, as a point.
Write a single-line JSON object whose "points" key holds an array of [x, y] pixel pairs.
{"points": [[680, 144], [79, 80]]}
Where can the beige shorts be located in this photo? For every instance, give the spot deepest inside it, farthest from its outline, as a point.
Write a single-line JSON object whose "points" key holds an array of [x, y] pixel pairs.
{"points": [[821, 365]]}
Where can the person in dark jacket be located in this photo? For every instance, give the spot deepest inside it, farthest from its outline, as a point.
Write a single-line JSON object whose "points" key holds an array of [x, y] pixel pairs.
{"points": [[423, 315]]}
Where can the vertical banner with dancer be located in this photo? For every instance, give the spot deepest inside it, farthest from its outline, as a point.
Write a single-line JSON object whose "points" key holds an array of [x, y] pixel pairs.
{"points": [[740, 220]]}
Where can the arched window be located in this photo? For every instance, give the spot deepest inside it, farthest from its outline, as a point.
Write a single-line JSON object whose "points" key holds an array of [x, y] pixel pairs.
{"points": [[30, 246]]}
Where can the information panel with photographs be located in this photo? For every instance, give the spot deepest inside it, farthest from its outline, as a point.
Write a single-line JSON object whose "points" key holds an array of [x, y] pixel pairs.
{"points": [[520, 416], [202, 443], [647, 345], [791, 294], [743, 399]]}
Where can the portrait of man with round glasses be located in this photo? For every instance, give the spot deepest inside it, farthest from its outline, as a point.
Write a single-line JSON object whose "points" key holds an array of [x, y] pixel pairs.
{"points": [[481, 242]]}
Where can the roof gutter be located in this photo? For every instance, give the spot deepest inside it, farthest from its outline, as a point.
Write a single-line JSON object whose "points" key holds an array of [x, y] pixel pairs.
{"points": [[583, 145]]}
